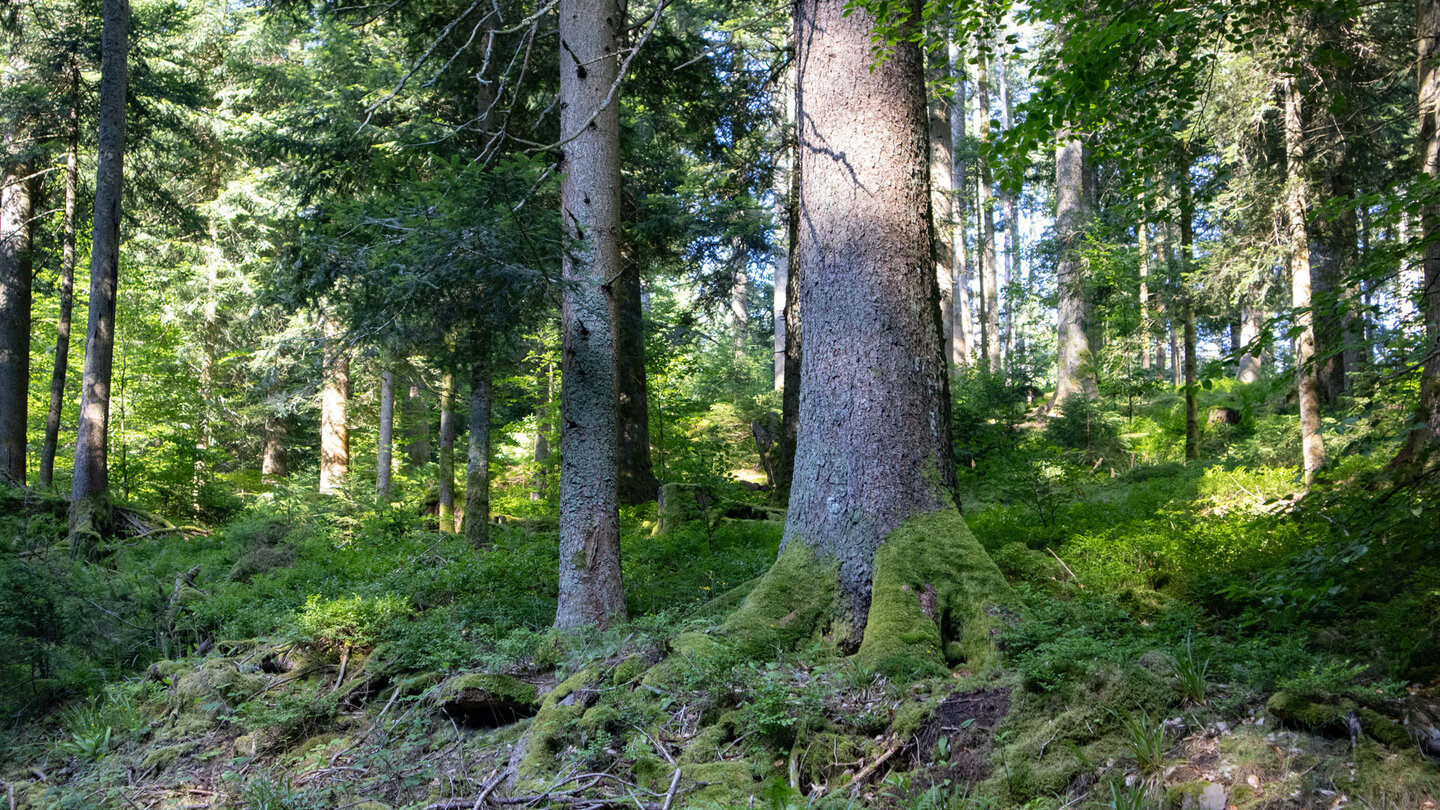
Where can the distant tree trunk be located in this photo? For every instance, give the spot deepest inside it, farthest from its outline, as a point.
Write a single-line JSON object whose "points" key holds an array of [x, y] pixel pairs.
{"points": [[1013, 247], [274, 464], [740, 294], [874, 400], [1144, 230], [540, 487], [1187, 305], [417, 424], [17, 205], [1177, 365], [477, 468], [446, 504], [334, 400], [67, 285], [90, 487], [961, 335], [1251, 321], [1422, 444], [591, 589], [1297, 207], [1074, 370], [942, 199], [637, 482], [385, 446], [1333, 245], [989, 295]]}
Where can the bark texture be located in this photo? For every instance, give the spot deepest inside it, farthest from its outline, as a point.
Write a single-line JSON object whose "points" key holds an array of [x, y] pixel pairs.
{"points": [[637, 483], [385, 445], [1298, 208], [961, 337], [873, 448], [334, 401], [67, 286], [17, 204], [274, 461], [477, 469], [1251, 321], [591, 590], [1074, 370], [784, 454], [91, 479]]}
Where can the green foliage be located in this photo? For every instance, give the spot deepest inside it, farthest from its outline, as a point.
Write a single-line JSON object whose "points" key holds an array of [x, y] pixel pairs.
{"points": [[1084, 424], [1144, 738], [1191, 672], [352, 621]]}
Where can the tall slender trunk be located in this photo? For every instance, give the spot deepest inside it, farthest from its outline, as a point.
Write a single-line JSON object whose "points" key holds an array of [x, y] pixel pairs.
{"points": [[1422, 443], [989, 295], [1251, 321], [417, 424], [540, 488], [334, 401], [874, 400], [67, 286], [1298, 208], [90, 486], [385, 445], [591, 589], [17, 205], [739, 294], [1014, 269], [637, 483], [1144, 229], [784, 454], [942, 204], [1074, 370], [961, 335], [446, 506], [477, 467], [1187, 305]]}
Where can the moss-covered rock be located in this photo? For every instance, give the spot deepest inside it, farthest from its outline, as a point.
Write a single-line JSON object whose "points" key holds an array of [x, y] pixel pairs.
{"points": [[934, 583], [487, 700], [629, 669]]}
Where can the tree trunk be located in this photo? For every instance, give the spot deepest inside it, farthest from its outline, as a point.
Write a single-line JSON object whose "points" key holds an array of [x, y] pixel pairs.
{"points": [[1251, 322], [446, 505], [1297, 209], [17, 205], [1187, 304], [477, 468], [637, 482], [875, 448], [1144, 230], [784, 204], [961, 335], [739, 294], [417, 424], [1013, 246], [1333, 243], [591, 589], [1074, 371], [334, 400], [784, 455], [539, 489], [385, 446], [1423, 440], [67, 286], [274, 464], [989, 294], [90, 487], [942, 200]]}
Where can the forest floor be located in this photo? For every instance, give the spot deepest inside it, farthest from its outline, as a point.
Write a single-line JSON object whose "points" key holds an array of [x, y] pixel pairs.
{"points": [[1185, 636]]}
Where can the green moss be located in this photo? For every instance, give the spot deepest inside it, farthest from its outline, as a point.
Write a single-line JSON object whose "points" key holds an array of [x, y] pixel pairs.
{"points": [[600, 717], [789, 607], [1305, 713], [544, 739], [933, 561], [726, 784], [1403, 778], [502, 687], [827, 755], [158, 759], [628, 670], [706, 745], [1384, 729]]}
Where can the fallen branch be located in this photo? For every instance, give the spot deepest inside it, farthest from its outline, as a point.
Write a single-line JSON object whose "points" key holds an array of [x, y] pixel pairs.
{"points": [[670, 794], [1078, 583], [868, 771]]}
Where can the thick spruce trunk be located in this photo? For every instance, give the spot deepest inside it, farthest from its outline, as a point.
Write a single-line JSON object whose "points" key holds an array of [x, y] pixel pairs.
{"points": [[1074, 370], [591, 590], [90, 486], [274, 461], [477, 468], [17, 205], [874, 443]]}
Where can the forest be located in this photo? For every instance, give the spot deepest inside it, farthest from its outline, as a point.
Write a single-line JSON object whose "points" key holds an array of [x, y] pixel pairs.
{"points": [[590, 404]]}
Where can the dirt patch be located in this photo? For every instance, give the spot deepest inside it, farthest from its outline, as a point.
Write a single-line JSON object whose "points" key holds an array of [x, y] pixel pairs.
{"points": [[966, 722]]}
